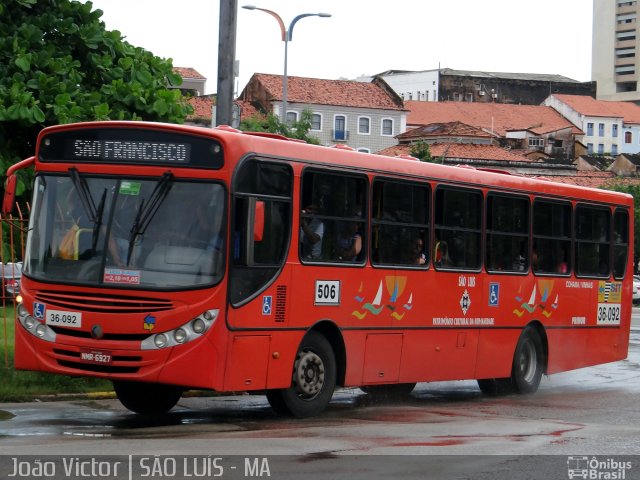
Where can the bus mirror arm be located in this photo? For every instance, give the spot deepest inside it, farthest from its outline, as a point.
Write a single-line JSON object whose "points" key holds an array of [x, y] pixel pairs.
{"points": [[11, 184]]}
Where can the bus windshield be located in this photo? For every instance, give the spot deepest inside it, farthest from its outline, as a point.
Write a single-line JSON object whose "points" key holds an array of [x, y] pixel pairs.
{"points": [[158, 233]]}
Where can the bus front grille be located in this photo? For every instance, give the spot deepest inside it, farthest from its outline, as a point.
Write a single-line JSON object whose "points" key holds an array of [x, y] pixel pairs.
{"points": [[99, 303]]}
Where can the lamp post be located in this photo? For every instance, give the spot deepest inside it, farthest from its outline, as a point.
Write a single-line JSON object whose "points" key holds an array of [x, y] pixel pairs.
{"points": [[287, 36]]}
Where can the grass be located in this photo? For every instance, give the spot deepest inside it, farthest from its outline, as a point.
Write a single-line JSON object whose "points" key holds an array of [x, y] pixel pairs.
{"points": [[17, 385]]}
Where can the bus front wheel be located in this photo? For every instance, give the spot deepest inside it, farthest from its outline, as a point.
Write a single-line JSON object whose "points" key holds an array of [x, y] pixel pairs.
{"points": [[313, 380], [147, 398], [527, 362]]}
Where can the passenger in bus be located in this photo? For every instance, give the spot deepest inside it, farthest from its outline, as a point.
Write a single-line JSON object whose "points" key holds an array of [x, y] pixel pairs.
{"points": [[311, 233], [349, 242], [417, 255], [563, 267], [441, 254]]}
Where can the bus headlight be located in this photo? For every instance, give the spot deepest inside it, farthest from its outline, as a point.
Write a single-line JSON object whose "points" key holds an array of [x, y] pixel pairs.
{"points": [[198, 325], [41, 330], [29, 322], [160, 340], [186, 333], [33, 326], [180, 335]]}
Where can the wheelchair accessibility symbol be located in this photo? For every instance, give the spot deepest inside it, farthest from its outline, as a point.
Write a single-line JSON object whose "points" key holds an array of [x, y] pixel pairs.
{"points": [[494, 294], [267, 301]]}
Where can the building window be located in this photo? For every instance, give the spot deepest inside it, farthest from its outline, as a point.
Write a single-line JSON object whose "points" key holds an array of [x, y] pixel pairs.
{"points": [[590, 148], [590, 129], [625, 69], [316, 122], [536, 142], [614, 130], [628, 137], [364, 125], [614, 149], [625, 52], [626, 35], [600, 148], [468, 97], [626, 18], [387, 127], [340, 128], [601, 129], [292, 117]]}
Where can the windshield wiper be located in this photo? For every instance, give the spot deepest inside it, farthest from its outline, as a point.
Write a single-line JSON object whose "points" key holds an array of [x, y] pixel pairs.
{"points": [[94, 215], [84, 192], [147, 210]]}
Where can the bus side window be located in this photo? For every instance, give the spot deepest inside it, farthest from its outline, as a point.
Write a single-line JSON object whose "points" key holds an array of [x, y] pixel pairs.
{"points": [[338, 201], [593, 241], [400, 216], [458, 222], [620, 242]]}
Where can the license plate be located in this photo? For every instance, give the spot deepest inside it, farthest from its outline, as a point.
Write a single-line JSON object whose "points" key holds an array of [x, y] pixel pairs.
{"points": [[99, 357], [62, 318]]}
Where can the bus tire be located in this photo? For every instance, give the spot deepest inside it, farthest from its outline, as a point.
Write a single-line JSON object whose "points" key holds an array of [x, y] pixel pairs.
{"points": [[395, 391], [313, 379], [527, 362], [147, 398], [495, 387]]}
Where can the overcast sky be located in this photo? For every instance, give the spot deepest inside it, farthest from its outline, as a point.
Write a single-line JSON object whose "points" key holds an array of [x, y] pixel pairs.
{"points": [[365, 37]]}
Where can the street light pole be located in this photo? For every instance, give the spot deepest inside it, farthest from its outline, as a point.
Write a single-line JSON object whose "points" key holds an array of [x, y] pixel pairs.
{"points": [[287, 36]]}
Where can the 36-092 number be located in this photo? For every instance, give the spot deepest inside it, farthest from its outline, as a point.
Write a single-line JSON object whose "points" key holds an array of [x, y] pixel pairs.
{"points": [[63, 318], [608, 314]]}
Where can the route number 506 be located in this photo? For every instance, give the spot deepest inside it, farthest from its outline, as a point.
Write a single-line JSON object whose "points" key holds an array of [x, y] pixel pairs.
{"points": [[327, 292]]}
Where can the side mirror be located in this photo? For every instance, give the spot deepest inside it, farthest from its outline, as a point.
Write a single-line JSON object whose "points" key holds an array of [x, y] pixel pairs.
{"points": [[258, 221], [9, 194]]}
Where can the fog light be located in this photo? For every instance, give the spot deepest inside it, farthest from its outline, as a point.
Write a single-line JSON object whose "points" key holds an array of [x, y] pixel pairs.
{"points": [[198, 325], [41, 330], [180, 335], [29, 322], [160, 340]]}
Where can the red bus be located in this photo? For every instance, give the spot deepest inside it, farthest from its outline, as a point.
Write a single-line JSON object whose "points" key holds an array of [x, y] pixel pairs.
{"points": [[168, 257]]}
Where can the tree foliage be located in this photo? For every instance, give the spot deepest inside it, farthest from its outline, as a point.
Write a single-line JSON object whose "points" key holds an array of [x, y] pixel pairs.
{"points": [[634, 191], [271, 124], [421, 151], [59, 64]]}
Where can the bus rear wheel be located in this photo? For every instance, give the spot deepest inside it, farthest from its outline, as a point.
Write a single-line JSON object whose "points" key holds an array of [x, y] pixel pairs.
{"points": [[389, 392], [527, 362], [313, 380], [147, 398]]}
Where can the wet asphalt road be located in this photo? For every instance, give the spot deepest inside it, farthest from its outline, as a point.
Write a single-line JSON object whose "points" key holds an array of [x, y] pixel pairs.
{"points": [[592, 411]]}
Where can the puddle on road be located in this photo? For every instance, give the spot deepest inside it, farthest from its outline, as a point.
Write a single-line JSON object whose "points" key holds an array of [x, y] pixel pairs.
{"points": [[4, 415]]}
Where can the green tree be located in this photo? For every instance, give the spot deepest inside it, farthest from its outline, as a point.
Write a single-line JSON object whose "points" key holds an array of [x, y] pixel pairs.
{"points": [[59, 64], [271, 124], [421, 151], [634, 191]]}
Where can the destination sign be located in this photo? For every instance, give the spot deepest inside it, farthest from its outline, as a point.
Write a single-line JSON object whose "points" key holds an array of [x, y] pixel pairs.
{"points": [[131, 146], [131, 150]]}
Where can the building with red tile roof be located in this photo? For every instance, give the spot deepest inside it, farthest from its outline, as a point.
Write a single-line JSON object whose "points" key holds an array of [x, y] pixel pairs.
{"points": [[529, 127], [191, 80], [365, 116], [608, 127]]}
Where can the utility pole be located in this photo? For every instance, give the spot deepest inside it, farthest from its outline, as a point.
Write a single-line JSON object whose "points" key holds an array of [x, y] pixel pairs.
{"points": [[226, 60]]}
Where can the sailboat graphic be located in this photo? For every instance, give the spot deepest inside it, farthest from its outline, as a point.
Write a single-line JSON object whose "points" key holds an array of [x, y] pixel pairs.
{"points": [[375, 307], [530, 305]]}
